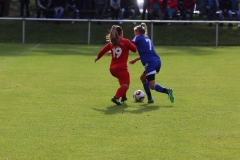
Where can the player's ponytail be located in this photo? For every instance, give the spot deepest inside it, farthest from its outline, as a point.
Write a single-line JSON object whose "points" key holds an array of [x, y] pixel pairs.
{"points": [[142, 29], [114, 35]]}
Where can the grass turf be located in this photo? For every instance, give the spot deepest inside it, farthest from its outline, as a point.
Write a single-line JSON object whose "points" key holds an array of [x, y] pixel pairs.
{"points": [[55, 104]]}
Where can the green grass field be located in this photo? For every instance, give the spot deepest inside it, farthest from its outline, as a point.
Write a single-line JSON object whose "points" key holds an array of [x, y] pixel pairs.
{"points": [[55, 104]]}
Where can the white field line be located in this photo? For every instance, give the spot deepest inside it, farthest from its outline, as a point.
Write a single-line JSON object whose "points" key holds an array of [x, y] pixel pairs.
{"points": [[20, 55]]}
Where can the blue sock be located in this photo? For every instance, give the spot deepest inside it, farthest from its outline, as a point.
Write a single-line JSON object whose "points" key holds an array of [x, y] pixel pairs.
{"points": [[161, 89], [147, 89]]}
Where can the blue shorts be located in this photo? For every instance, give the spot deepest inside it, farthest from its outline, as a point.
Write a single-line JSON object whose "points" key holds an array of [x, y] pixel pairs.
{"points": [[152, 67]]}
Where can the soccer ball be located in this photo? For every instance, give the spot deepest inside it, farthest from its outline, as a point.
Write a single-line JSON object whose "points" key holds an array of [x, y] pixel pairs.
{"points": [[138, 96]]}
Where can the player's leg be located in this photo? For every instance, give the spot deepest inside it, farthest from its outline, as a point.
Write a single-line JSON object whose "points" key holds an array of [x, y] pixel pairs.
{"points": [[159, 88], [124, 81], [121, 92], [154, 86], [151, 70], [146, 87]]}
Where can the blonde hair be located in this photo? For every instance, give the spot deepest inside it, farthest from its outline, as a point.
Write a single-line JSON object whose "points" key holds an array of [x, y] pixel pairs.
{"points": [[142, 29], [114, 36]]}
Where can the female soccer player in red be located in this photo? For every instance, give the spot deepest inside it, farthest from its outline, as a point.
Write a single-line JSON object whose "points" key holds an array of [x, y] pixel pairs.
{"points": [[119, 48]]}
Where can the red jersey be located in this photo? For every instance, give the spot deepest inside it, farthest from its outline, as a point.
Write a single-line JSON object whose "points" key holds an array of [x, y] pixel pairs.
{"points": [[172, 4], [119, 53]]}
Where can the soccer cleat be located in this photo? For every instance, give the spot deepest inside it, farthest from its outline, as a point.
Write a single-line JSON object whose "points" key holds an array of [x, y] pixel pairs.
{"points": [[116, 101], [123, 99], [170, 95], [150, 101]]}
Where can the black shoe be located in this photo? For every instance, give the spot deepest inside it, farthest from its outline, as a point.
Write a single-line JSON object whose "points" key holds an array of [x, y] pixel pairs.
{"points": [[116, 101], [230, 25], [210, 24], [221, 24], [123, 99]]}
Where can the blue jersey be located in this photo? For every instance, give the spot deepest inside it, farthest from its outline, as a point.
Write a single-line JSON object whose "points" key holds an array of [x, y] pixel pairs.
{"points": [[145, 49]]}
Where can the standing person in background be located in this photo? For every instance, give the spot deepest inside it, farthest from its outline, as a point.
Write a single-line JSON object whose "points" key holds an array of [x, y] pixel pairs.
{"points": [[238, 11], [145, 7], [156, 8], [119, 48], [188, 8], [26, 4], [172, 8], [100, 8], [73, 8], [225, 9], [2, 8], [92, 4], [210, 7], [83, 4], [128, 5], [115, 8], [43, 5], [59, 6]]}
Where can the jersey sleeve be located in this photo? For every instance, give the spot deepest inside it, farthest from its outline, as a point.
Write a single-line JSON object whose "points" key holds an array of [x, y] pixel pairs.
{"points": [[132, 47], [134, 40], [106, 48]]}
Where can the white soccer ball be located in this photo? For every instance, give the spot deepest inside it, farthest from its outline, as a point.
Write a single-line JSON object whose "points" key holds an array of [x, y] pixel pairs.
{"points": [[138, 96]]}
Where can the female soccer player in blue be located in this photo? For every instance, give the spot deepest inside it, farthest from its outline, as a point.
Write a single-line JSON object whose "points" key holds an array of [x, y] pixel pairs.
{"points": [[151, 61]]}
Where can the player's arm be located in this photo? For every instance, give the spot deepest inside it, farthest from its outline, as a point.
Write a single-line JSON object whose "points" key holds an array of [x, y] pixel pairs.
{"points": [[134, 60], [110, 53], [132, 47], [102, 51]]}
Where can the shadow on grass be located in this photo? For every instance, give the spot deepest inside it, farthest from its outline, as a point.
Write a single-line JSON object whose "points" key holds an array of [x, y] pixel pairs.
{"points": [[142, 108]]}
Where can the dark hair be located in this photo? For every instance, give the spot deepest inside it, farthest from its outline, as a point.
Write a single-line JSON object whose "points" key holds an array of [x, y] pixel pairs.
{"points": [[114, 35], [142, 29]]}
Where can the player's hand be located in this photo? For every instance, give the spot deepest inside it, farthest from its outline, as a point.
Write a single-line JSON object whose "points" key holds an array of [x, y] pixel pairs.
{"points": [[132, 61], [96, 59], [109, 53]]}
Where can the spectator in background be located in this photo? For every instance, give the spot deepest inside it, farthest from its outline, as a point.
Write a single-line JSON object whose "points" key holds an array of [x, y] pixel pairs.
{"points": [[145, 7], [100, 8], [155, 8], [238, 11], [83, 4], [27, 6], [128, 5], [225, 7], [91, 4], [59, 6], [43, 6], [2, 4], [115, 8], [180, 7], [188, 8], [73, 8], [210, 7], [172, 8]]}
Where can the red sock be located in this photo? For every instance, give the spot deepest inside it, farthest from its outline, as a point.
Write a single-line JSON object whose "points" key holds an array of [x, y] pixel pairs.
{"points": [[121, 92]]}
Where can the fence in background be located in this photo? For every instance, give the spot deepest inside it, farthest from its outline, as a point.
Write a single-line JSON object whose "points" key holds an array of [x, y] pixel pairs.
{"points": [[128, 21]]}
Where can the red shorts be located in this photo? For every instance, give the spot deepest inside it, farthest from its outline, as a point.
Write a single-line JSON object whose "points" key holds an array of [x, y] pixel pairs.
{"points": [[122, 75]]}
